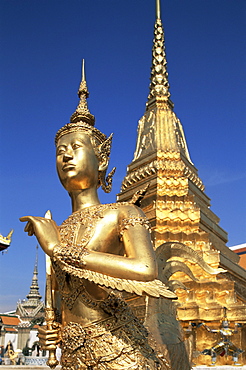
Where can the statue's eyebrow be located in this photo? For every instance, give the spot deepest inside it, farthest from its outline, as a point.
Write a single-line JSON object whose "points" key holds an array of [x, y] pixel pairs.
{"points": [[60, 146], [79, 140]]}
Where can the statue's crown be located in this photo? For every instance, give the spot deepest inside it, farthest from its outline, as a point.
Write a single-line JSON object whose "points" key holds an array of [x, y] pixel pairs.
{"points": [[82, 119], [81, 127]]}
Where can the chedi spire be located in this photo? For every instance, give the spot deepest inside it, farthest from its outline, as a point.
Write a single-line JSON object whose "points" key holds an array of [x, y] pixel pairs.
{"points": [[159, 85]]}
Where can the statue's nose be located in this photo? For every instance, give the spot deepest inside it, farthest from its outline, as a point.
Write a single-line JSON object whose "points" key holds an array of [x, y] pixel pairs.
{"points": [[67, 155]]}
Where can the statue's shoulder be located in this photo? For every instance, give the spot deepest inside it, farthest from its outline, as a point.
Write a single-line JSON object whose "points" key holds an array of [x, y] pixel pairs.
{"points": [[126, 209]]}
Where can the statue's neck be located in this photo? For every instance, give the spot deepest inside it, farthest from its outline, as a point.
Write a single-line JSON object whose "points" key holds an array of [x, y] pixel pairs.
{"points": [[83, 199]]}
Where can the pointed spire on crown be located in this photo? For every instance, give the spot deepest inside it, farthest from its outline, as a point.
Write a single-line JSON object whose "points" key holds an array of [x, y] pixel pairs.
{"points": [[159, 85], [82, 113], [81, 119]]}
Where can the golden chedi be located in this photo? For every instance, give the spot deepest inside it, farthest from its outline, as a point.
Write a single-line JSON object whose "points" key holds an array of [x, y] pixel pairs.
{"points": [[179, 212]]}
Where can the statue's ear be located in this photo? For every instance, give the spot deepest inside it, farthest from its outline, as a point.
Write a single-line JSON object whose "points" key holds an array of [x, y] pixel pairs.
{"points": [[103, 164], [104, 152]]}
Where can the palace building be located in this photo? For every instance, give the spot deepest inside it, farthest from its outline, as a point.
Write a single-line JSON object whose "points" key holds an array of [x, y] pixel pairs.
{"points": [[20, 326]]}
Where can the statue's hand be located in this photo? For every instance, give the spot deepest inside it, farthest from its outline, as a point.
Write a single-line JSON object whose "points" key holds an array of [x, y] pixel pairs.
{"points": [[45, 230], [48, 339]]}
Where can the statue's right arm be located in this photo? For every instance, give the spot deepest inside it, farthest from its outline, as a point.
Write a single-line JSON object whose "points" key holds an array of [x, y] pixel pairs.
{"points": [[45, 230]]}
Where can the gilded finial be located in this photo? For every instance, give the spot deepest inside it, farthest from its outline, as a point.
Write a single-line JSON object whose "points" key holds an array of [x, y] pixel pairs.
{"points": [[159, 85], [82, 113], [36, 262], [158, 9], [83, 70], [5, 240], [83, 86]]}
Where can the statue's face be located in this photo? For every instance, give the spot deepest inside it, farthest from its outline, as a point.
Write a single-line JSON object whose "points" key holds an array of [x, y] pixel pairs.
{"points": [[76, 162]]}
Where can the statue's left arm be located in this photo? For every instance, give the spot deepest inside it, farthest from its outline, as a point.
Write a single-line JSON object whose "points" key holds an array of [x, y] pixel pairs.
{"points": [[138, 261], [135, 271]]}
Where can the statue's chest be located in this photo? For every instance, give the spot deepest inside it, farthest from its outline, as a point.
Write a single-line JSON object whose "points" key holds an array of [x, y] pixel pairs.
{"points": [[78, 229], [95, 228]]}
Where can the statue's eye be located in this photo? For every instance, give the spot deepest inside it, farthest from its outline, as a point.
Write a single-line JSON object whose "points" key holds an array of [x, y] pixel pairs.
{"points": [[60, 151], [76, 146]]}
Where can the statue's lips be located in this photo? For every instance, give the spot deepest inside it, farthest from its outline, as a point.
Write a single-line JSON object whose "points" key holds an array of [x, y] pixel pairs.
{"points": [[68, 167]]}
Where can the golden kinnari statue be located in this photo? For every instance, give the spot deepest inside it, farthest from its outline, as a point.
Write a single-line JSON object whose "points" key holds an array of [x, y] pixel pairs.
{"points": [[99, 250]]}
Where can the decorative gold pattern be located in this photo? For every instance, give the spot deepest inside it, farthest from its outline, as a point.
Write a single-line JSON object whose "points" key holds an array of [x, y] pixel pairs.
{"points": [[106, 184], [159, 76], [176, 174], [88, 217], [50, 319], [91, 346], [95, 134], [70, 255], [153, 288], [132, 221]]}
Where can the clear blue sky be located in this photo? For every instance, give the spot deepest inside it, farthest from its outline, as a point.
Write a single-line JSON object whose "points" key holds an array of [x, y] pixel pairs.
{"points": [[42, 44]]}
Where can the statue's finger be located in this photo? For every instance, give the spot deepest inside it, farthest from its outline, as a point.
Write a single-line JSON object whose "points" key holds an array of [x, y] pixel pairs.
{"points": [[29, 229], [45, 332], [31, 232], [26, 228], [48, 347], [25, 218], [49, 334]]}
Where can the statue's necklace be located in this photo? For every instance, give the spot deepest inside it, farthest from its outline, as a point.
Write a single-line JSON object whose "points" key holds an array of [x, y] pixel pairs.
{"points": [[87, 217]]}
